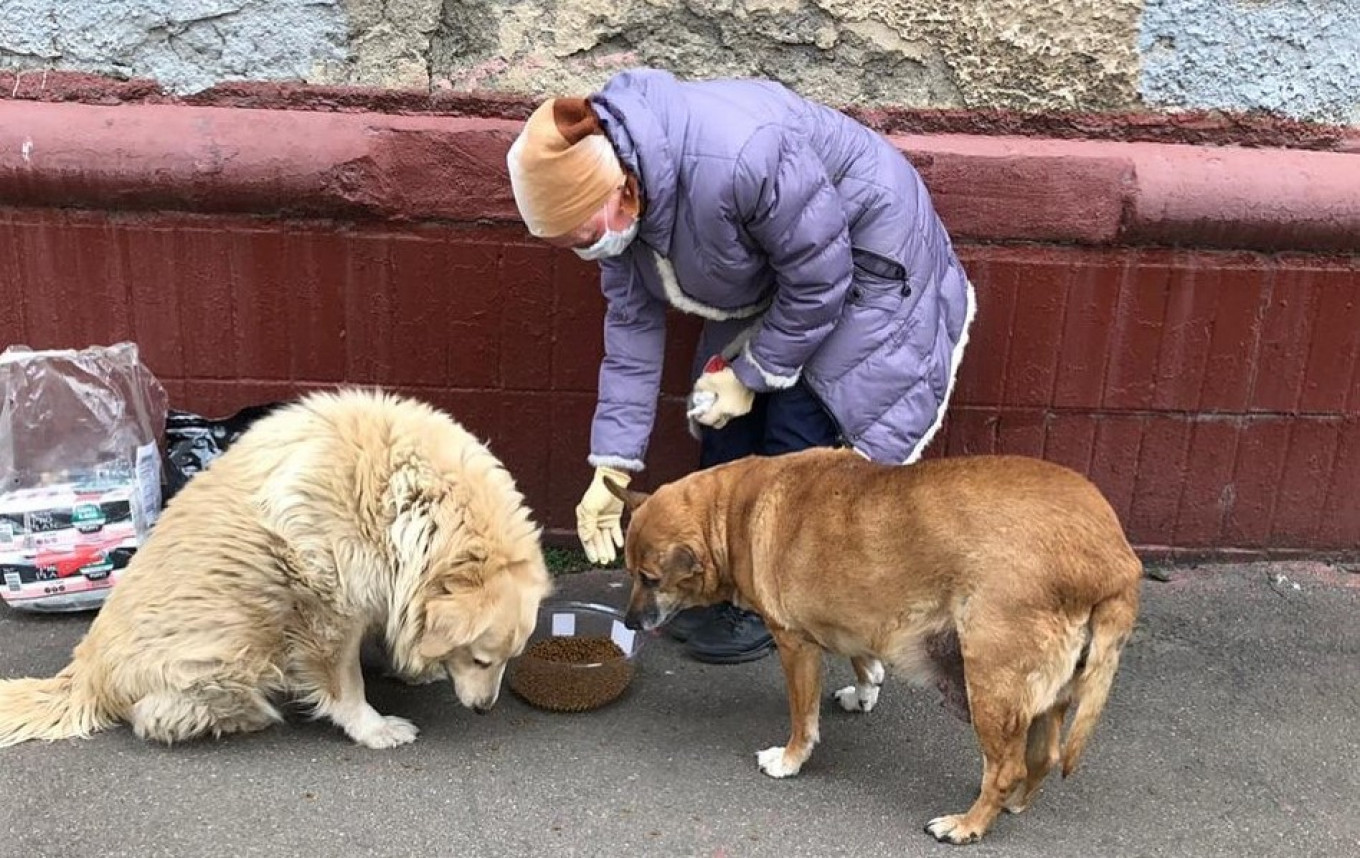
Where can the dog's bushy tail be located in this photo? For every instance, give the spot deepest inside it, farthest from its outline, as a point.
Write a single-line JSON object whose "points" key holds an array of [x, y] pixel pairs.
{"points": [[57, 708], [1111, 623]]}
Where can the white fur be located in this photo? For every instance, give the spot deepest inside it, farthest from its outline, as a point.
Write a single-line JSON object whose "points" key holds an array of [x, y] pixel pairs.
{"points": [[942, 828], [863, 697], [370, 728], [1045, 685], [858, 698], [876, 672], [619, 462], [774, 763], [772, 380], [742, 344], [351, 711], [680, 301], [955, 359], [342, 513], [778, 763]]}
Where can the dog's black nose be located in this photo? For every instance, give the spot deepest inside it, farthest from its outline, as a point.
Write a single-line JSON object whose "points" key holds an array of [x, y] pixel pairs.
{"points": [[631, 621], [481, 710]]}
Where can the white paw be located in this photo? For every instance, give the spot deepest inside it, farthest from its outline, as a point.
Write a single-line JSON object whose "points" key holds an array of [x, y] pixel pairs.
{"points": [[848, 698], [949, 829], [384, 731], [876, 672], [855, 698], [773, 763]]}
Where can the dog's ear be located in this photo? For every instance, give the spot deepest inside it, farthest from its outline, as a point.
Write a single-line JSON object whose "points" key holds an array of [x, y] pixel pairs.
{"points": [[452, 621], [454, 566], [682, 561], [468, 566], [631, 499]]}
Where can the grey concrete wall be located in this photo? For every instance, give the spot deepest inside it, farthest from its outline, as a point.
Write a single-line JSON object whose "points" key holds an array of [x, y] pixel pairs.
{"points": [[1296, 58], [1017, 53]]}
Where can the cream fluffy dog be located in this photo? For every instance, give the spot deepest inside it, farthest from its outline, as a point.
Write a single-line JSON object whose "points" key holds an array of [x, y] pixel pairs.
{"points": [[337, 515]]}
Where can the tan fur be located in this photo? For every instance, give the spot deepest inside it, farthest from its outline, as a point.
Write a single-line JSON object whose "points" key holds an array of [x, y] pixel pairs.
{"points": [[1021, 562], [338, 515]]}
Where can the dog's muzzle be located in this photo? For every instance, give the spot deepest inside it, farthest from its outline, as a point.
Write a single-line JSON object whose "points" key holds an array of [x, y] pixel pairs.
{"points": [[645, 619], [453, 686]]}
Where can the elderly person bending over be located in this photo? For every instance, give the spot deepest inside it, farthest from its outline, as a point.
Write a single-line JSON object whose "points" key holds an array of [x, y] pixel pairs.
{"points": [[836, 311]]}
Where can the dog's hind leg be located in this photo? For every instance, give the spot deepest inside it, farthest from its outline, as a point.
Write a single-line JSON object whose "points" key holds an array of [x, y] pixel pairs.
{"points": [[171, 716], [1006, 671], [1001, 728], [863, 695], [331, 679], [802, 661], [1042, 749], [1017, 667]]}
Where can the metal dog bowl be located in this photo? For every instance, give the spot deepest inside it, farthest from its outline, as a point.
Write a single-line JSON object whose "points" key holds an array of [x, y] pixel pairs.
{"points": [[579, 657]]}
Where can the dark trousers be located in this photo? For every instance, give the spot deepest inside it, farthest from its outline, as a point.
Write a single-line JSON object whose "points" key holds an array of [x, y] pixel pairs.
{"points": [[782, 421]]}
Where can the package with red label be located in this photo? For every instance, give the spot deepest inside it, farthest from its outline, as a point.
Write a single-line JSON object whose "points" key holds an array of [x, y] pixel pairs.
{"points": [[80, 472]]}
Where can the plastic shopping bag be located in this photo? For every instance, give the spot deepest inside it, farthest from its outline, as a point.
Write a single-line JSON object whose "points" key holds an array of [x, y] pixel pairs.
{"points": [[193, 441], [80, 471]]}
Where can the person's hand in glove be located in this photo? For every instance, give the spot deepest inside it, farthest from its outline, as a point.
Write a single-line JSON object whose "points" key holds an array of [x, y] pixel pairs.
{"points": [[731, 397], [599, 516]]}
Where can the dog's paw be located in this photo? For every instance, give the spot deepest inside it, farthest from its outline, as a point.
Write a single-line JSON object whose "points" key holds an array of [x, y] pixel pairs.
{"points": [[854, 698], [950, 829], [876, 672], [848, 698], [1018, 801], [776, 764], [384, 731]]}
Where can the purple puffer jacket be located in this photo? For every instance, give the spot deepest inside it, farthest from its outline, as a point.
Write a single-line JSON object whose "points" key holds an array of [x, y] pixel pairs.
{"points": [[805, 239]]}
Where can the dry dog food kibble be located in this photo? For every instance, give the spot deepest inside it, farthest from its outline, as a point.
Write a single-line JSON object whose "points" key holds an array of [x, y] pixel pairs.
{"points": [[552, 673], [576, 650]]}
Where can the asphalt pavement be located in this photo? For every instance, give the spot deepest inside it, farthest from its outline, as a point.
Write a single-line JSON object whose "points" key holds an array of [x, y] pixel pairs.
{"points": [[1233, 730]]}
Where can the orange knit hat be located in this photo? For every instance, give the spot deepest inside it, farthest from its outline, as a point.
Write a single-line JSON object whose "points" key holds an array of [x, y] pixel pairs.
{"points": [[562, 167]]}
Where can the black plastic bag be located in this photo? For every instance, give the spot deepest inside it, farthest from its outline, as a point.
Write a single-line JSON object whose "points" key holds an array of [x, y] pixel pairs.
{"points": [[191, 441]]}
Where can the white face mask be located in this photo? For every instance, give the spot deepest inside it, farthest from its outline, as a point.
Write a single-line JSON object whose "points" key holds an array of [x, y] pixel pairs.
{"points": [[612, 243]]}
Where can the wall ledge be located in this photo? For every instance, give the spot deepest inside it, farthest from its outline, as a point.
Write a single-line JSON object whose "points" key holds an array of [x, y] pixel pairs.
{"points": [[396, 167]]}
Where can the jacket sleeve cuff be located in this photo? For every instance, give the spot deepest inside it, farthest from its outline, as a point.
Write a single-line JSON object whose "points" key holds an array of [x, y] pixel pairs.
{"points": [[596, 460], [760, 378]]}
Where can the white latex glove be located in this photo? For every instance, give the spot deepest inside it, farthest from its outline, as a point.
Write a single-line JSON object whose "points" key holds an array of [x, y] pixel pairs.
{"points": [[734, 398], [599, 516]]}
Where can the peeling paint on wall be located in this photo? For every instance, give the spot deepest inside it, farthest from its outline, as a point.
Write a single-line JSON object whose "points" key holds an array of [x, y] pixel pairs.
{"points": [[1292, 58], [1027, 54]]}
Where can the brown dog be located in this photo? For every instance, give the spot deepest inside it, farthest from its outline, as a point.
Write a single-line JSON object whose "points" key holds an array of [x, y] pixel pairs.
{"points": [[1008, 575]]}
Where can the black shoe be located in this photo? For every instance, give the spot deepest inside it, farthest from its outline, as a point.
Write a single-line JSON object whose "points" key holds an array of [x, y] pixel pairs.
{"points": [[685, 622], [730, 636]]}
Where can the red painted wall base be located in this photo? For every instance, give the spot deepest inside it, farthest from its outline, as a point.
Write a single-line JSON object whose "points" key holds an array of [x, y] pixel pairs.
{"points": [[1214, 396], [254, 252]]}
